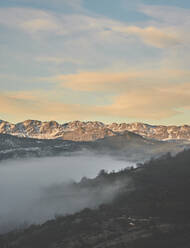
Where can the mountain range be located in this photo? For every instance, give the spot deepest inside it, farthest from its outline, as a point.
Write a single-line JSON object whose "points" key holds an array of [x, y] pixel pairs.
{"points": [[91, 130]]}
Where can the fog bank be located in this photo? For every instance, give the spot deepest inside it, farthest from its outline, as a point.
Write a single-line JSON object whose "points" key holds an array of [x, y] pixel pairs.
{"points": [[35, 190]]}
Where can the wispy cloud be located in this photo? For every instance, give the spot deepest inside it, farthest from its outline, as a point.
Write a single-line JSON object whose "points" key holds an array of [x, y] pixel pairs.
{"points": [[153, 36], [57, 60], [37, 105], [175, 18], [39, 24], [133, 95], [168, 15], [34, 20], [119, 81], [153, 103], [28, 19]]}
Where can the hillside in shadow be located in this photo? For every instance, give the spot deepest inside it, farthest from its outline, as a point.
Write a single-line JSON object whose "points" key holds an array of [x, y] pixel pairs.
{"points": [[126, 145], [151, 209]]}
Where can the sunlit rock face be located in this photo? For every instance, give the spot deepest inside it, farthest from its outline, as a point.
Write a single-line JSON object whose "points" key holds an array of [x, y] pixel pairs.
{"points": [[154, 132], [91, 130]]}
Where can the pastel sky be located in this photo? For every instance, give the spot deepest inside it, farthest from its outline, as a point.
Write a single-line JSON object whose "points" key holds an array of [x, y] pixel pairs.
{"points": [[106, 60]]}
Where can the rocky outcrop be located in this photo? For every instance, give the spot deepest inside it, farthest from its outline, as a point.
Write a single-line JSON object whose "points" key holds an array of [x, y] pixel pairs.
{"points": [[91, 130]]}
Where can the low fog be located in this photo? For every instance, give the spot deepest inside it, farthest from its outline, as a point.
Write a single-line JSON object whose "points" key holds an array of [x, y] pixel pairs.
{"points": [[35, 190]]}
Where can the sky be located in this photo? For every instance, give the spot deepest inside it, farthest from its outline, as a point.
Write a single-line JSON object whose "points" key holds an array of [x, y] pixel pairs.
{"points": [[105, 60]]}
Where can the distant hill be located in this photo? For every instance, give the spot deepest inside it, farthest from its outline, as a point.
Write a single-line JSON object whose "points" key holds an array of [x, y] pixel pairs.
{"points": [[125, 145], [17, 147]]}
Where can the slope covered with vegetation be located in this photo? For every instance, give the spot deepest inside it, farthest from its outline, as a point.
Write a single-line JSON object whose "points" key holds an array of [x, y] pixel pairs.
{"points": [[151, 209]]}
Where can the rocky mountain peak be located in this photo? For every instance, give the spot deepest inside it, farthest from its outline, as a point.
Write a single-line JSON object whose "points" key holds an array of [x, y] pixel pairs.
{"points": [[92, 130]]}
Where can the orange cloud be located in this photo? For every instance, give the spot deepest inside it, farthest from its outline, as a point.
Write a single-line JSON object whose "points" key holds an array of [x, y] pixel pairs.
{"points": [[149, 103], [119, 81], [155, 94], [37, 105]]}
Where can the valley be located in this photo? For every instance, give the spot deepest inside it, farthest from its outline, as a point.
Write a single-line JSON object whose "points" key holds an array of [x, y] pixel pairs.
{"points": [[151, 209]]}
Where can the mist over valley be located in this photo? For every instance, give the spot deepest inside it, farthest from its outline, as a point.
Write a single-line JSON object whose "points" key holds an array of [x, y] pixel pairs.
{"points": [[34, 190]]}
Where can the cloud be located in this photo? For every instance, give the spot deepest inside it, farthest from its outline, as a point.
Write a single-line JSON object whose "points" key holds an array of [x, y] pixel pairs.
{"points": [[40, 105], [153, 36], [39, 24], [105, 81], [28, 19], [169, 15], [153, 103], [147, 95], [63, 6], [58, 60], [175, 19], [34, 20], [94, 28], [18, 102], [92, 81]]}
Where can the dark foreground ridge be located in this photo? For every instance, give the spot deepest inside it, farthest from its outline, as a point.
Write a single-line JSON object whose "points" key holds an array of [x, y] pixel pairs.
{"points": [[152, 209]]}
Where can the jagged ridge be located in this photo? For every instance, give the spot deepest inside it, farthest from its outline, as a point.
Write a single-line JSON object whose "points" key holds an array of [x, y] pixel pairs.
{"points": [[91, 130]]}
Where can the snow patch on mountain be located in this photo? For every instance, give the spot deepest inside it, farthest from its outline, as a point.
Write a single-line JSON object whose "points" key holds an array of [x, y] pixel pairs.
{"points": [[91, 130]]}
